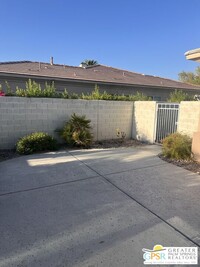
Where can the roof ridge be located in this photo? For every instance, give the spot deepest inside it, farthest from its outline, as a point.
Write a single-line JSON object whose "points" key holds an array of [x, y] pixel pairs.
{"points": [[39, 62], [17, 61]]}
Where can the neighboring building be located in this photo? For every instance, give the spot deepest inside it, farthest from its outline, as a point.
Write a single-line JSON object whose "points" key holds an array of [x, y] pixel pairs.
{"points": [[82, 79], [193, 55]]}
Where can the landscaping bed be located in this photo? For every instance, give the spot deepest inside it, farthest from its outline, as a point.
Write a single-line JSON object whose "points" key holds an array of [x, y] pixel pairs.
{"points": [[113, 143], [8, 154], [189, 165]]}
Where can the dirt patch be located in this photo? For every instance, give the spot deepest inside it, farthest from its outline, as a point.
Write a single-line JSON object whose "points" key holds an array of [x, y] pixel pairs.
{"points": [[8, 154], [115, 143], [189, 165]]}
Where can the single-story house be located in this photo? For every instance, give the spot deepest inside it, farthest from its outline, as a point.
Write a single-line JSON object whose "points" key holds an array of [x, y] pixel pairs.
{"points": [[82, 79]]}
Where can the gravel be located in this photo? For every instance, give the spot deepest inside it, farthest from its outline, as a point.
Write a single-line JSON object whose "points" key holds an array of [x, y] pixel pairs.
{"points": [[189, 165], [115, 143]]}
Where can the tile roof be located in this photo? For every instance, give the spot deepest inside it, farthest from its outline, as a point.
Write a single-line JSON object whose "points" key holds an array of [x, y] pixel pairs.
{"points": [[98, 73]]}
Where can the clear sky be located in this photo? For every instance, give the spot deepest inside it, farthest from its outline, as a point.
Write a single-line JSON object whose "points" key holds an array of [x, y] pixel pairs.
{"points": [[145, 36]]}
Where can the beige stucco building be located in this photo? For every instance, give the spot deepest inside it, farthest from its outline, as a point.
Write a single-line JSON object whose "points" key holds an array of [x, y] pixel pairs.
{"points": [[195, 56]]}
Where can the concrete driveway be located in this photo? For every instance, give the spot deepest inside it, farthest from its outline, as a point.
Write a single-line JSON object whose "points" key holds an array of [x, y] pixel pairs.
{"points": [[94, 208]]}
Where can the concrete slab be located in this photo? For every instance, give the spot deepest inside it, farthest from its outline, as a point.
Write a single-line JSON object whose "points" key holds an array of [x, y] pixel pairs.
{"points": [[77, 208], [169, 191], [86, 223], [107, 161], [40, 170]]}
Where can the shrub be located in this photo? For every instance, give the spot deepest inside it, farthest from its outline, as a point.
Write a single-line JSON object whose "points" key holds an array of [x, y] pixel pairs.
{"points": [[139, 97], [97, 95], [34, 89], [65, 94], [9, 91], [121, 135], [178, 95], [77, 131], [177, 146], [74, 96], [120, 97], [36, 142], [49, 90]]}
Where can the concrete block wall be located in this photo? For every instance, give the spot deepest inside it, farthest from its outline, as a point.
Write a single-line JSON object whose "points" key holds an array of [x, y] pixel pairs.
{"points": [[144, 116], [189, 115], [20, 116], [114, 115]]}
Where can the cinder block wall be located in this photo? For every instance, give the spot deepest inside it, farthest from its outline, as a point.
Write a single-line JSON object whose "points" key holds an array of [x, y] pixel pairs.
{"points": [[144, 116], [189, 114], [20, 116]]}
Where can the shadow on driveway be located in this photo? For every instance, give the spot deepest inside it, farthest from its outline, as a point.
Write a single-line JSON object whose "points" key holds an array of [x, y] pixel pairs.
{"points": [[77, 208]]}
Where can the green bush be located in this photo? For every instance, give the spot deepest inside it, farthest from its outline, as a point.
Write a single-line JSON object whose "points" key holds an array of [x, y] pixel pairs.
{"points": [[36, 142], [139, 97], [74, 96], [34, 89], [97, 95], [65, 94], [77, 131], [177, 146], [178, 95], [9, 91], [49, 90]]}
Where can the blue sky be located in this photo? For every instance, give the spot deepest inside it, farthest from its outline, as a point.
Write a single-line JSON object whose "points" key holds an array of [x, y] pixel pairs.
{"points": [[145, 36]]}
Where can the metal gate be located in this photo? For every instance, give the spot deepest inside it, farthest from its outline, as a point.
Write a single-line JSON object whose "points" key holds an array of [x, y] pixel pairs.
{"points": [[167, 119]]}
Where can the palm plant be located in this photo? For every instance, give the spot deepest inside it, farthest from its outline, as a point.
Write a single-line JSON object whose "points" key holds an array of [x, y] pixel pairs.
{"points": [[90, 62], [77, 131]]}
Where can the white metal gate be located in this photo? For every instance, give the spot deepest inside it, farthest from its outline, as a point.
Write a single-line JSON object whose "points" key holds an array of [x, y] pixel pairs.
{"points": [[167, 119]]}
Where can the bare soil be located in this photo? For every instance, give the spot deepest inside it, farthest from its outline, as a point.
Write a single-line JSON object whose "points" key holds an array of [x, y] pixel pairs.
{"points": [[115, 143], [189, 165], [8, 154]]}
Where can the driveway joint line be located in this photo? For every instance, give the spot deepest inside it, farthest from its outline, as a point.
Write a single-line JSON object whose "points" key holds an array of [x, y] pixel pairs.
{"points": [[134, 169], [139, 203], [47, 186]]}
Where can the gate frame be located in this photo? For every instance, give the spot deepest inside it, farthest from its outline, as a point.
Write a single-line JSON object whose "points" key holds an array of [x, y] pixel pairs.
{"points": [[156, 117]]}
